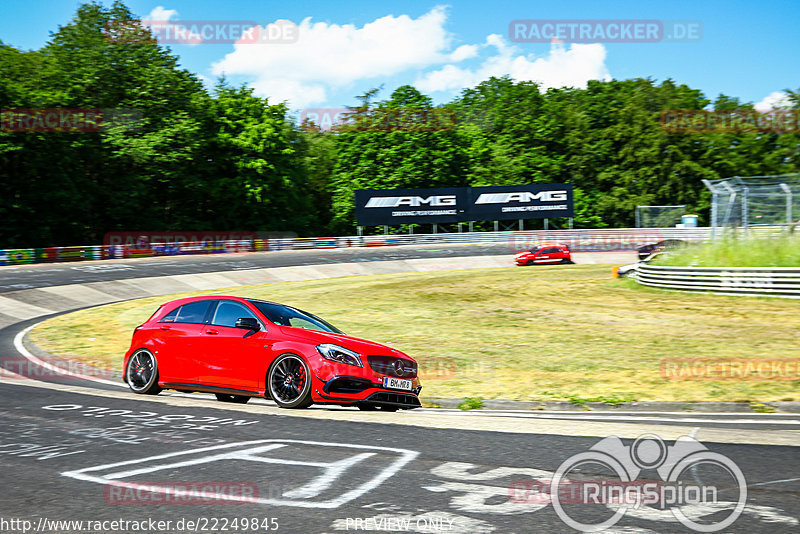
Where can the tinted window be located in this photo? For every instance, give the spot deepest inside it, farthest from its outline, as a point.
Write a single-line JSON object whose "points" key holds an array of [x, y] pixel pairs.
{"points": [[228, 311], [286, 316], [170, 317], [194, 312], [299, 322]]}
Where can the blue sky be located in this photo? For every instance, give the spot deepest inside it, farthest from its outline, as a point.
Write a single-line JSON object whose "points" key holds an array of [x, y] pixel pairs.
{"points": [[748, 50]]}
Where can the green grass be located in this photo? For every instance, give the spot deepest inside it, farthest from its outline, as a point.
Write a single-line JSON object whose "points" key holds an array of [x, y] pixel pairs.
{"points": [[471, 403], [730, 252], [538, 333]]}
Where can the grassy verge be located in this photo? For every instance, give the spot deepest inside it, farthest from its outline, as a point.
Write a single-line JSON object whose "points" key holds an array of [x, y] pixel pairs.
{"points": [[775, 252], [539, 333]]}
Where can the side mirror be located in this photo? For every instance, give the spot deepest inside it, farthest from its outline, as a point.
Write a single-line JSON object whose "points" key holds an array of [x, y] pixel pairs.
{"points": [[248, 323]]}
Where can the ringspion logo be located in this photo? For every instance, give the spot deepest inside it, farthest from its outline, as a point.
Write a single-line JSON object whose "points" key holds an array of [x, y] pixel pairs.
{"points": [[680, 467]]}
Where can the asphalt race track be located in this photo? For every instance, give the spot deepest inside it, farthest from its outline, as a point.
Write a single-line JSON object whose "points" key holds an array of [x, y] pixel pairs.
{"points": [[52, 274], [74, 450]]}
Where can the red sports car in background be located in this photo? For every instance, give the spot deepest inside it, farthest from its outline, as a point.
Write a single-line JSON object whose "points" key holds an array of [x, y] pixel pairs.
{"points": [[545, 253], [239, 348]]}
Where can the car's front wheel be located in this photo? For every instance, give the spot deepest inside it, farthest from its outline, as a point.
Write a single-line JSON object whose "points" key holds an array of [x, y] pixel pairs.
{"points": [[142, 373], [289, 382]]}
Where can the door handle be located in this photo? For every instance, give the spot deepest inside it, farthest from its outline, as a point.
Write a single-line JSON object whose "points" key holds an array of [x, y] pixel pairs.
{"points": [[165, 328], [212, 332]]}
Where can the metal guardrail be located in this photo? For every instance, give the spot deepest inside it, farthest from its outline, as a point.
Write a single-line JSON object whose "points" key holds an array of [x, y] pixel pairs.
{"points": [[588, 240], [753, 281]]}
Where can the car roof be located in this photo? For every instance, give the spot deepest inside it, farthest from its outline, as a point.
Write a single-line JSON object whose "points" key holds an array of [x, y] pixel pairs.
{"points": [[186, 300]]}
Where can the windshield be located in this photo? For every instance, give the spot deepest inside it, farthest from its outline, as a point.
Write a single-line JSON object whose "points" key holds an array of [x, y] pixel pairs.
{"points": [[286, 316]]}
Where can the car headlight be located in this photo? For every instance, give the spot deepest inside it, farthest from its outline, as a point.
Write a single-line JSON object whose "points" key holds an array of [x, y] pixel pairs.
{"points": [[335, 353]]}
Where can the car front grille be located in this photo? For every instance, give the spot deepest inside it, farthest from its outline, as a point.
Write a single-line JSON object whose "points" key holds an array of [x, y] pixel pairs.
{"points": [[393, 366], [347, 384]]}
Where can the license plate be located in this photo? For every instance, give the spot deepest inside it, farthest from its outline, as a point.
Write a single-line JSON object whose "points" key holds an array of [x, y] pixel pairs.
{"points": [[396, 383]]}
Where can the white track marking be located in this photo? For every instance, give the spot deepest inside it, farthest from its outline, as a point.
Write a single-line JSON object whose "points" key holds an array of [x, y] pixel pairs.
{"points": [[187, 463], [633, 417], [775, 481], [30, 357], [331, 471]]}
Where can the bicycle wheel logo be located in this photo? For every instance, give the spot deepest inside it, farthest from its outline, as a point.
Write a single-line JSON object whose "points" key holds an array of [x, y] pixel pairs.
{"points": [[621, 489]]}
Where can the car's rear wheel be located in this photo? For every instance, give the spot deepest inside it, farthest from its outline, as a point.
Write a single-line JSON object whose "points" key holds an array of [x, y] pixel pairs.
{"points": [[237, 399], [142, 373], [289, 382]]}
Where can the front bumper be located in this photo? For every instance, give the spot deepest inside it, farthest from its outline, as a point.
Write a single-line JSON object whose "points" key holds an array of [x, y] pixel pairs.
{"points": [[352, 390]]}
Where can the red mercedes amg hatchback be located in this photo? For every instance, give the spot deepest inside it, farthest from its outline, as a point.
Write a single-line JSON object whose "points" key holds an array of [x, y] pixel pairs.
{"points": [[544, 253], [239, 348]]}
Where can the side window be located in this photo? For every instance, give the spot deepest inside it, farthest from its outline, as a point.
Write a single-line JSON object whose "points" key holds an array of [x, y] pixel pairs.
{"points": [[299, 322], [194, 312], [170, 317], [228, 311]]}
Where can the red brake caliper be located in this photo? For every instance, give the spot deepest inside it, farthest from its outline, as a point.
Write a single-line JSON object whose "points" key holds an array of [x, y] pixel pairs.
{"points": [[301, 377]]}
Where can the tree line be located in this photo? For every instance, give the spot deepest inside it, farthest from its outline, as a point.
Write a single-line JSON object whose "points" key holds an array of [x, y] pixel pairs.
{"points": [[226, 159]]}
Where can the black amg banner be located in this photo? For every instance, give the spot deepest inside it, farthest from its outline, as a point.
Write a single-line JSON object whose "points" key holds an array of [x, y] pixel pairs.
{"points": [[375, 207]]}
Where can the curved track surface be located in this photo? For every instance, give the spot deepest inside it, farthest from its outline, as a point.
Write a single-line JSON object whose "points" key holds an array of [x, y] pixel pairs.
{"points": [[75, 450], [14, 278]]}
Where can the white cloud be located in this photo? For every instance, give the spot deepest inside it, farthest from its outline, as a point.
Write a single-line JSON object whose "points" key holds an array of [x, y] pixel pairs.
{"points": [[161, 13], [774, 100], [328, 57], [464, 52], [333, 55], [158, 22], [300, 94], [561, 67]]}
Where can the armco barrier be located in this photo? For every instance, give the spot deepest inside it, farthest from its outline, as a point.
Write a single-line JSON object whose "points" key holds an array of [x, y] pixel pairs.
{"points": [[754, 281], [594, 240]]}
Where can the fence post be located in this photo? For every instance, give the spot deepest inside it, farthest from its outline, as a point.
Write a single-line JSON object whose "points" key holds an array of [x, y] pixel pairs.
{"points": [[745, 211], [788, 202]]}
